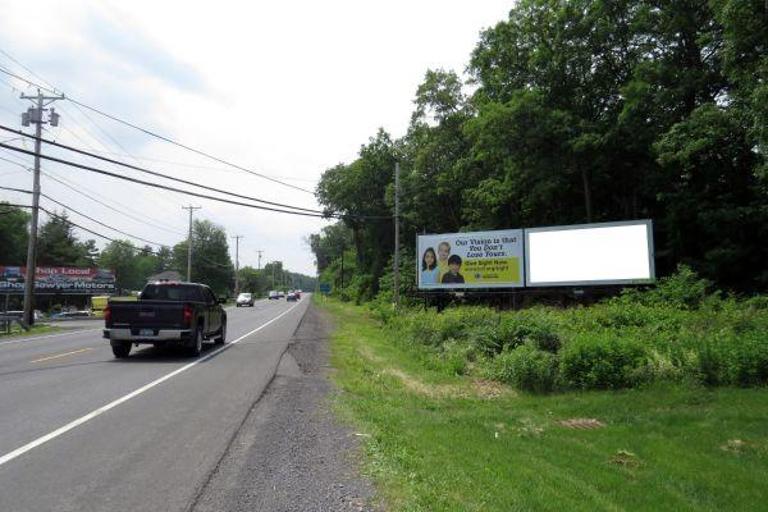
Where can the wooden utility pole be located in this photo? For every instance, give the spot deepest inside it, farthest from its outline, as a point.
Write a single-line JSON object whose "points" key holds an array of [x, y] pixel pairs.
{"points": [[189, 241], [35, 115]]}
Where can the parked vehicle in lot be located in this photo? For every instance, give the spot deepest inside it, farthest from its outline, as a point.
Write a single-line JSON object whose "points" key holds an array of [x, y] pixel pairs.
{"points": [[244, 299], [168, 313], [274, 294], [291, 297]]}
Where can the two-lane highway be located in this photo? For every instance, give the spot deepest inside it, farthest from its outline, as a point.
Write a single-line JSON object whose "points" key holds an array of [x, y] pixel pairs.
{"points": [[81, 430]]}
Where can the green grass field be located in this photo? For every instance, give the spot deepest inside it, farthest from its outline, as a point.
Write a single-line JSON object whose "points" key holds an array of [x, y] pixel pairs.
{"points": [[434, 442]]}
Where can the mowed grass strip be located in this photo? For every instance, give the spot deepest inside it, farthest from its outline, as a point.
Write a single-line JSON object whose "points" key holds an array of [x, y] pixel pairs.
{"points": [[434, 442], [35, 330]]}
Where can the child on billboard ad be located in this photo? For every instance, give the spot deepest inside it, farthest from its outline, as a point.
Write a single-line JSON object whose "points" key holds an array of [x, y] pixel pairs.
{"points": [[485, 259]]}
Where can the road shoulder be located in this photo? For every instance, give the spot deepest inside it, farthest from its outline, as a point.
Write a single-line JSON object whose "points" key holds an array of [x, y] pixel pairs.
{"points": [[291, 453]]}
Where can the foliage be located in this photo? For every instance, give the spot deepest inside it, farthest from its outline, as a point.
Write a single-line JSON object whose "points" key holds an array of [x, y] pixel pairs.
{"points": [[436, 439], [681, 331], [13, 235], [211, 263], [585, 111], [525, 367], [58, 245]]}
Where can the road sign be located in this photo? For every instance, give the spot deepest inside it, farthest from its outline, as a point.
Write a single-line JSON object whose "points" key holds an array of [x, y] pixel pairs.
{"points": [[325, 288]]}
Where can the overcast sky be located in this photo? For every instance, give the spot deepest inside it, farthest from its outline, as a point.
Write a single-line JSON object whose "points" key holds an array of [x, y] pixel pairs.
{"points": [[287, 89]]}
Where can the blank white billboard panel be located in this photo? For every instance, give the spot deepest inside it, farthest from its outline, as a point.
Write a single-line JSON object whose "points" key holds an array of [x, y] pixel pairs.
{"points": [[611, 253]]}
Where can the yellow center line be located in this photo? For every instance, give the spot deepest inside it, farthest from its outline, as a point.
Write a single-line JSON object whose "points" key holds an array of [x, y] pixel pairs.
{"points": [[62, 355]]}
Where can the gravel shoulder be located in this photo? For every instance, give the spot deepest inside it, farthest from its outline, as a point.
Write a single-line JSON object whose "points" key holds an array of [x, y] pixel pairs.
{"points": [[290, 453]]}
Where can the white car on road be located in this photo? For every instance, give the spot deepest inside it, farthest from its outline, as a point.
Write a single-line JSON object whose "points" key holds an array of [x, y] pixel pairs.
{"points": [[244, 299]]}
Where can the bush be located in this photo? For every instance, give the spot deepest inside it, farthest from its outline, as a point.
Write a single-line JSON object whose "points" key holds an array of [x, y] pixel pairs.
{"points": [[525, 367], [603, 360]]}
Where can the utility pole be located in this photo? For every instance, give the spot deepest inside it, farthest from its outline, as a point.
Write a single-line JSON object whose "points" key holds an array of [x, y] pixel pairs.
{"points": [[258, 265], [34, 115], [237, 263], [397, 236], [189, 241]]}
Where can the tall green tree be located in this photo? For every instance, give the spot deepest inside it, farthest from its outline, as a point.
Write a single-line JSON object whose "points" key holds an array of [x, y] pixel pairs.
{"points": [[361, 192], [58, 245], [13, 235], [211, 263], [120, 257]]}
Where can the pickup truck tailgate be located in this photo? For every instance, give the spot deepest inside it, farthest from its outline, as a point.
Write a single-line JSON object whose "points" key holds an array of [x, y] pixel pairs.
{"points": [[147, 314]]}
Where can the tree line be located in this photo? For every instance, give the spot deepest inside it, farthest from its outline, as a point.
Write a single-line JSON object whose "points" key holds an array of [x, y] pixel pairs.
{"points": [[58, 245], [579, 111]]}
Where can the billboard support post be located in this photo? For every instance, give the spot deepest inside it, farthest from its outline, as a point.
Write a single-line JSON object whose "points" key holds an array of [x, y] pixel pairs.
{"points": [[397, 236]]}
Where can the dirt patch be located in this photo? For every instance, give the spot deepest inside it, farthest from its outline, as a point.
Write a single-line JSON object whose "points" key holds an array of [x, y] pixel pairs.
{"points": [[625, 459], [582, 423], [484, 389]]}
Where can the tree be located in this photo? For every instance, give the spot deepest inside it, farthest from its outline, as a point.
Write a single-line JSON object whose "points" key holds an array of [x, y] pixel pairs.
{"points": [[211, 263], [329, 243], [57, 244], [120, 257], [13, 235], [360, 190]]}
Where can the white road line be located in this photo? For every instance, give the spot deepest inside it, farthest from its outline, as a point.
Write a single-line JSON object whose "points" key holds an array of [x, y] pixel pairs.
{"points": [[101, 410], [48, 336]]}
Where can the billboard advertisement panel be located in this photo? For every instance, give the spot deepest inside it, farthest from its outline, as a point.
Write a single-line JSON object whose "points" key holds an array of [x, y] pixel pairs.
{"points": [[482, 259], [590, 254], [59, 280]]}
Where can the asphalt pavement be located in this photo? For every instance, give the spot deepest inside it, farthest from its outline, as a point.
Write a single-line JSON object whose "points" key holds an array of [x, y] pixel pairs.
{"points": [[83, 431]]}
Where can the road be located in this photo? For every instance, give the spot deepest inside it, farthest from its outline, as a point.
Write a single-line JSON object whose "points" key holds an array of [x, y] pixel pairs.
{"points": [[82, 431]]}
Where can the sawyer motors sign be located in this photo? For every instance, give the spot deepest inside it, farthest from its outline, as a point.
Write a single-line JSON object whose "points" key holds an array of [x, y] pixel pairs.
{"points": [[55, 280]]}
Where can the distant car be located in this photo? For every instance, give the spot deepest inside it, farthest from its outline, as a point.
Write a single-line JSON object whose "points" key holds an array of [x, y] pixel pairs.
{"points": [[298, 293], [244, 299], [274, 294], [65, 315], [291, 297]]}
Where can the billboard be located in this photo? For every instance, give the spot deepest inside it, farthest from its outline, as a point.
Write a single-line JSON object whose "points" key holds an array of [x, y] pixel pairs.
{"points": [[482, 259], [590, 254], [59, 280]]}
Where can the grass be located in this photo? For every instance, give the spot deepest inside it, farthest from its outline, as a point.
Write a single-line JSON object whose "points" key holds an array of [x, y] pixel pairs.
{"points": [[17, 331], [439, 442]]}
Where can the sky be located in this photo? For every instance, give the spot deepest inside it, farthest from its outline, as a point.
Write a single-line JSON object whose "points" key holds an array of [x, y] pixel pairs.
{"points": [[286, 89]]}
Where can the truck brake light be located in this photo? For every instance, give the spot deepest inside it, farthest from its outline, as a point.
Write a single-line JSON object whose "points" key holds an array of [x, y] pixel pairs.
{"points": [[107, 315], [187, 314]]}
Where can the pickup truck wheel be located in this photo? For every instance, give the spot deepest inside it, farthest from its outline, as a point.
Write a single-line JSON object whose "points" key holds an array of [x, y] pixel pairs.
{"points": [[196, 347], [221, 338], [121, 351]]}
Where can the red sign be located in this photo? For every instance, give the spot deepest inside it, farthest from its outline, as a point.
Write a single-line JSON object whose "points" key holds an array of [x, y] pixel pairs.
{"points": [[67, 280]]}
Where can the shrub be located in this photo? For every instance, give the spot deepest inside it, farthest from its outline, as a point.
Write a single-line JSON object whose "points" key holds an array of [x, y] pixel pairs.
{"points": [[525, 367], [603, 360]]}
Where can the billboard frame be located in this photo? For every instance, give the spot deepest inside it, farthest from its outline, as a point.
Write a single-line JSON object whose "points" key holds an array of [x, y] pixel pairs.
{"points": [[471, 289], [651, 254]]}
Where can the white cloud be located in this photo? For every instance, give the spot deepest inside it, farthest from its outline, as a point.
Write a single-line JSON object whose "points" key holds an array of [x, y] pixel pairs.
{"points": [[288, 89]]}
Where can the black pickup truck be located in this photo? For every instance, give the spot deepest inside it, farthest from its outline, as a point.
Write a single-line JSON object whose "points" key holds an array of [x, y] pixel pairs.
{"points": [[166, 314]]}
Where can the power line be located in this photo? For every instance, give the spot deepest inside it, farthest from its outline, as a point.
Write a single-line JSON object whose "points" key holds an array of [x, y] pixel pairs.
{"points": [[155, 173], [156, 135], [165, 187], [101, 223], [47, 174], [17, 190]]}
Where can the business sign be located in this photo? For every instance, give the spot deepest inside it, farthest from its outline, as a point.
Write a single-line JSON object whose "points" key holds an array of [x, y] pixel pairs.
{"points": [[59, 280], [483, 259], [590, 254]]}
